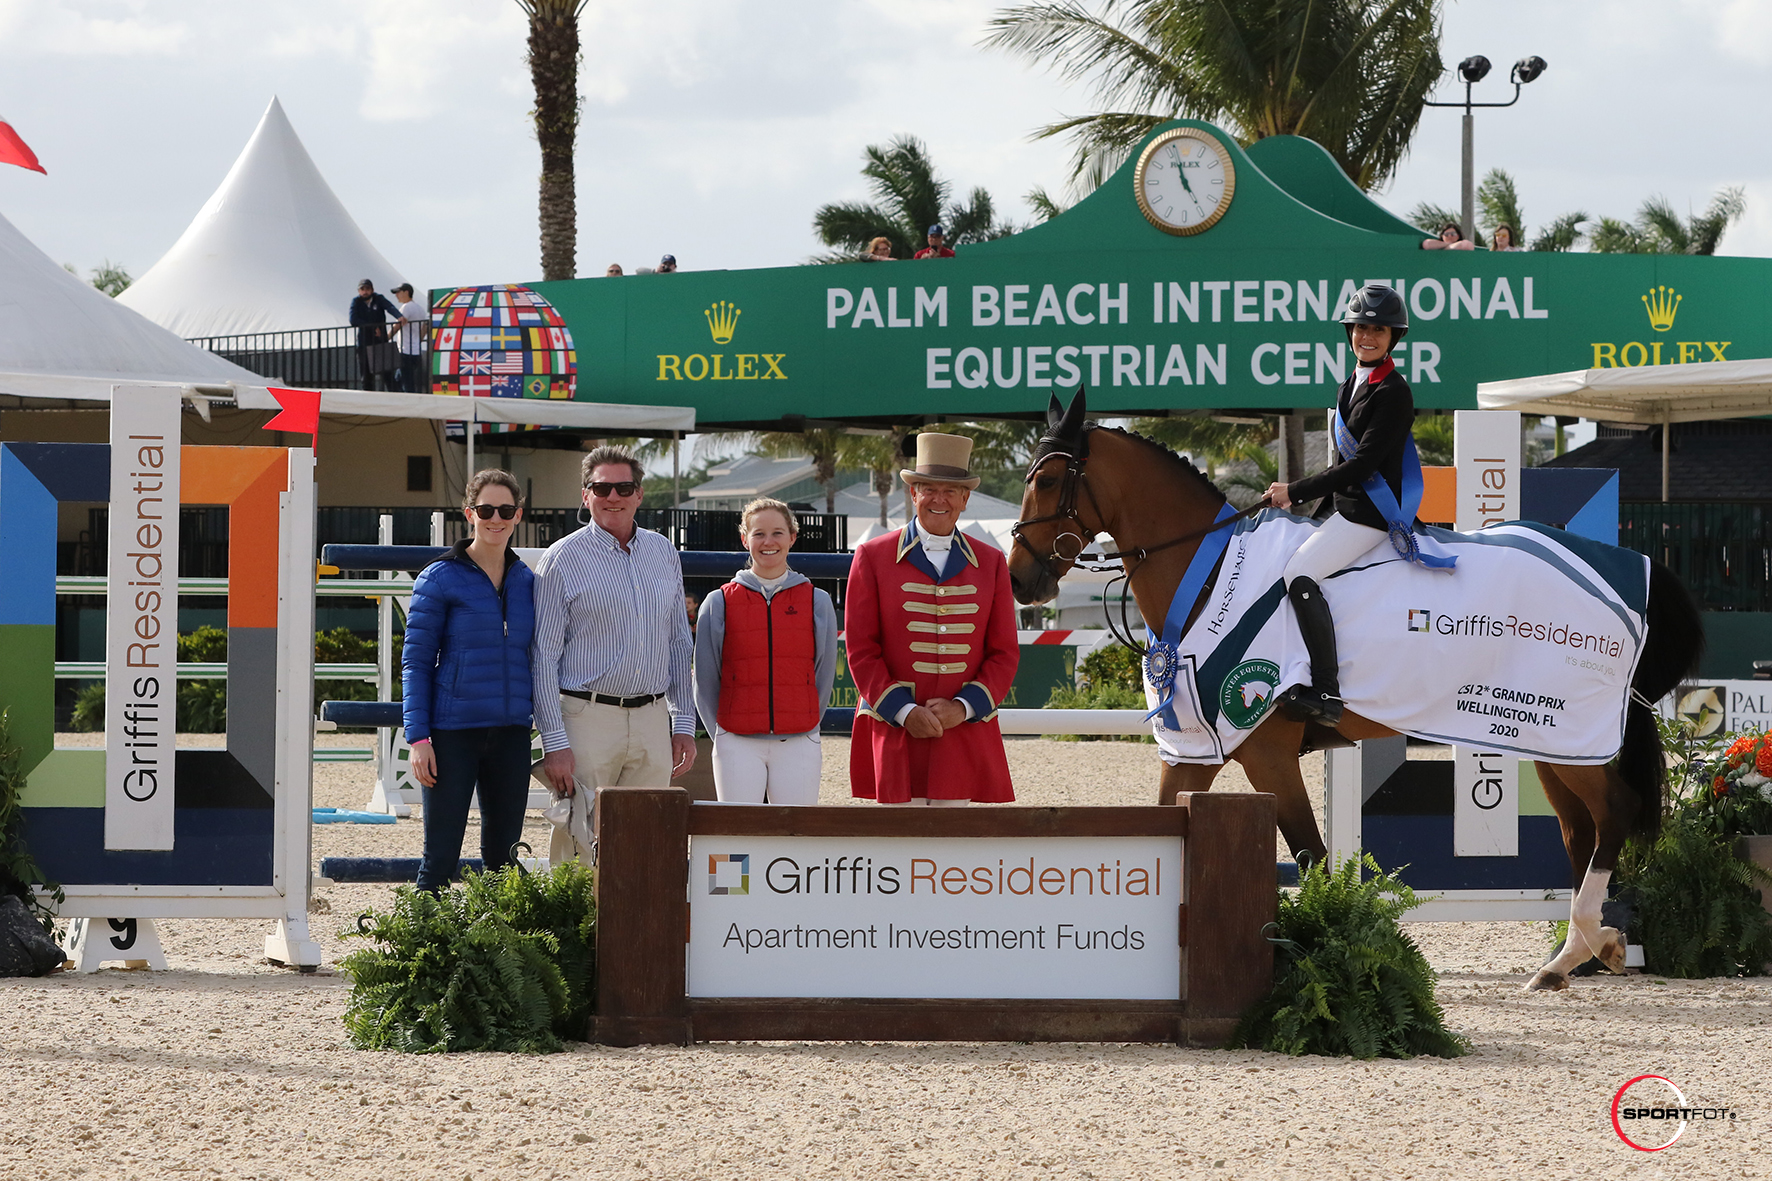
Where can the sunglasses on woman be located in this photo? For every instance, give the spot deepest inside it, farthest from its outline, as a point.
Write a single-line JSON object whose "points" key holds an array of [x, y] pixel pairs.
{"points": [[505, 511], [602, 489]]}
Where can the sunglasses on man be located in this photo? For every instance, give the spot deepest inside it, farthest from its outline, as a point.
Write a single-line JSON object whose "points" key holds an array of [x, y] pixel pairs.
{"points": [[603, 490], [505, 511]]}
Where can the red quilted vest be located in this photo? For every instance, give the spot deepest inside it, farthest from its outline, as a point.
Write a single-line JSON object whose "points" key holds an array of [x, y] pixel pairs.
{"points": [[768, 680]]}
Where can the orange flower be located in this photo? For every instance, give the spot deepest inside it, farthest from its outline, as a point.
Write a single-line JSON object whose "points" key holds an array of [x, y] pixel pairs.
{"points": [[1718, 786], [1743, 743], [1763, 761]]}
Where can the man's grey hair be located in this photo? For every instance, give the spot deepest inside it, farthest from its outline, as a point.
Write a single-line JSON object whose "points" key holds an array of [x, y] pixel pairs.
{"points": [[609, 454]]}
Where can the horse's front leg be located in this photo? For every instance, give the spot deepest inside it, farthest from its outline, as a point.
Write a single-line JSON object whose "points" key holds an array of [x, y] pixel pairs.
{"points": [[1180, 777], [1270, 759]]}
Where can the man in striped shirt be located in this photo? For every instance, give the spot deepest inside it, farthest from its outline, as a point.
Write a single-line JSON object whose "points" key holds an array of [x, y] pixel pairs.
{"points": [[613, 697]]}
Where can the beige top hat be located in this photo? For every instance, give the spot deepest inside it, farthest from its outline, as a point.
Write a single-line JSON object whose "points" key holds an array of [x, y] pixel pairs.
{"points": [[941, 459]]}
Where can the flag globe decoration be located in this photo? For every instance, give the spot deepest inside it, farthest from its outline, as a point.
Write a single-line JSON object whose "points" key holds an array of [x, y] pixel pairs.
{"points": [[501, 341]]}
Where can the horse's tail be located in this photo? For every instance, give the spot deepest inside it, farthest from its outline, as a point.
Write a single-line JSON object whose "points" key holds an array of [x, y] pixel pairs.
{"points": [[1671, 650]]}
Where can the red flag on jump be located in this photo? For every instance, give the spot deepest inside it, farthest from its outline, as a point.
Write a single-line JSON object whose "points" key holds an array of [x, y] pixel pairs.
{"points": [[300, 413], [14, 150]]}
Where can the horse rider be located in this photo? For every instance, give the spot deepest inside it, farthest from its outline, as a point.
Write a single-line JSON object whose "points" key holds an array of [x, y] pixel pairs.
{"points": [[1372, 429]]}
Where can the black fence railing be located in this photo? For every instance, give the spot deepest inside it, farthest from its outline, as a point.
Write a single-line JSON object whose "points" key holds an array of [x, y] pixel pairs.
{"points": [[1722, 552], [318, 358]]}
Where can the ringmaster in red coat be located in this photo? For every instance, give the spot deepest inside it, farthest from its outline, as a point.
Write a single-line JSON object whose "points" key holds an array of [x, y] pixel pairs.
{"points": [[929, 624]]}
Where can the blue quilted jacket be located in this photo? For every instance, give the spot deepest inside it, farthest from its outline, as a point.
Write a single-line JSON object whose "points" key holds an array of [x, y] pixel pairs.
{"points": [[465, 663]]}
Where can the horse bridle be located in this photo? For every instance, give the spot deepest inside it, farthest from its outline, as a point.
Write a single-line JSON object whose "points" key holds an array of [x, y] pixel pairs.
{"points": [[1075, 481]]}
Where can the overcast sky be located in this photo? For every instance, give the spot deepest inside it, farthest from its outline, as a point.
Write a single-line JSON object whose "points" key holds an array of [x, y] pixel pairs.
{"points": [[714, 128]]}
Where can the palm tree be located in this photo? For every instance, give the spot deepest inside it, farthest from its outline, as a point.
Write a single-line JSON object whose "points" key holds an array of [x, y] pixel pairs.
{"points": [[1659, 229], [1351, 75], [1498, 204], [553, 69], [911, 197], [829, 448]]}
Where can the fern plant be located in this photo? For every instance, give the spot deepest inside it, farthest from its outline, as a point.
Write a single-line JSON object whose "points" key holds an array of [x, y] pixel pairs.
{"points": [[18, 869], [501, 962], [1697, 905], [1347, 980]]}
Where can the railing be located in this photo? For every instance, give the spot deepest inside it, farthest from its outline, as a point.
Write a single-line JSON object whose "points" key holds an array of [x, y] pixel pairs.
{"points": [[317, 358], [203, 533], [1722, 552]]}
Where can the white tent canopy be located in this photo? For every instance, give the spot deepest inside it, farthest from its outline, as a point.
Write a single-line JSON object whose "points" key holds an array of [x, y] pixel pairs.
{"points": [[54, 325], [272, 250], [1648, 395]]}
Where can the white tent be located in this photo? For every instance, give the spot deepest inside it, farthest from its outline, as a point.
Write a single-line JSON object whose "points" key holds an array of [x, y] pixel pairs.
{"points": [[273, 249], [63, 342], [54, 326], [1650, 395]]}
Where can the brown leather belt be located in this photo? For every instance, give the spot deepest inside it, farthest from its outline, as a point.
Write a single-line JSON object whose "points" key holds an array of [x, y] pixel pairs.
{"points": [[606, 699]]}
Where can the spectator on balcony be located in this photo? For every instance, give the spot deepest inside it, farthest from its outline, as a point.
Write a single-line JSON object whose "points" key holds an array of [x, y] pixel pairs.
{"points": [[414, 332], [936, 247], [879, 250], [467, 683], [369, 316], [613, 271], [1451, 238], [667, 265]]}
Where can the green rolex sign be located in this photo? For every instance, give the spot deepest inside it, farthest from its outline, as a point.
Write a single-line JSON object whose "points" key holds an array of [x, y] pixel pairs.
{"points": [[1200, 275]]}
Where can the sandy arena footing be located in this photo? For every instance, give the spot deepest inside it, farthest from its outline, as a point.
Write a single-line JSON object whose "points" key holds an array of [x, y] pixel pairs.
{"points": [[228, 1067]]}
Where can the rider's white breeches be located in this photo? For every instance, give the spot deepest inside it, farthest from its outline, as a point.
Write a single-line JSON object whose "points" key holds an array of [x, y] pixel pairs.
{"points": [[1334, 546]]}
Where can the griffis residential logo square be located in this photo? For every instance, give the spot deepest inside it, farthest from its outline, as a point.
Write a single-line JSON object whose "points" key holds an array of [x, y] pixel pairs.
{"points": [[729, 873], [1420, 621]]}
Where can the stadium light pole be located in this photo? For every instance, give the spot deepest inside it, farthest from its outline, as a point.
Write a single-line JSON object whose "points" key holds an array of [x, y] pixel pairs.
{"points": [[1473, 70]]}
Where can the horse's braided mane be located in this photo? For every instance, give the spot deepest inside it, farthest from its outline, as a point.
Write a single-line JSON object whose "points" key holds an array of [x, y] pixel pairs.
{"points": [[1050, 443]]}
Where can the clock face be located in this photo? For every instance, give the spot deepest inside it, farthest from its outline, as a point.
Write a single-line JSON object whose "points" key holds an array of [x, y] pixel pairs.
{"points": [[1184, 181]]}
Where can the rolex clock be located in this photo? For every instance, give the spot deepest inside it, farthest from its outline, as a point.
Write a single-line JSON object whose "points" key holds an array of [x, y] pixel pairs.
{"points": [[1184, 181]]}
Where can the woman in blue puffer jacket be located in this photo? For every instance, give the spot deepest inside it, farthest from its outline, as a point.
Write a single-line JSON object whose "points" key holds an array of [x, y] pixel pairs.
{"points": [[465, 669]]}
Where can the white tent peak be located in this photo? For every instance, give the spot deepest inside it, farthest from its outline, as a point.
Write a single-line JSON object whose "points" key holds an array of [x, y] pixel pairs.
{"points": [[272, 249], [54, 324]]}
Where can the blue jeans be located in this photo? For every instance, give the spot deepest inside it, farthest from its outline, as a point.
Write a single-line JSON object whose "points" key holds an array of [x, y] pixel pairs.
{"points": [[497, 759]]}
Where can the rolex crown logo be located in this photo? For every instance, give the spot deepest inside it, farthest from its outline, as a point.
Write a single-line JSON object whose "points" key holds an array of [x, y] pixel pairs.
{"points": [[722, 319], [1663, 304]]}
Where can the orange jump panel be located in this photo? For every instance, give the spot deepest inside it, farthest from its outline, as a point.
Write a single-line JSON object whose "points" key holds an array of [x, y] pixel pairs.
{"points": [[247, 480], [1439, 495]]}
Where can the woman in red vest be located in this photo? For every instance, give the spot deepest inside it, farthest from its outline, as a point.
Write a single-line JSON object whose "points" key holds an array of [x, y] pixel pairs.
{"points": [[765, 661]]}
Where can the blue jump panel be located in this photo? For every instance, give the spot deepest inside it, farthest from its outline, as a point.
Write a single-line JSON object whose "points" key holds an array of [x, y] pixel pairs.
{"points": [[216, 847], [1424, 845]]}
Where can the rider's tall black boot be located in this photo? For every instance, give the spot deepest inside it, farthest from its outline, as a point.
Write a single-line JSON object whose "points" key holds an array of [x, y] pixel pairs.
{"points": [[1320, 701]]}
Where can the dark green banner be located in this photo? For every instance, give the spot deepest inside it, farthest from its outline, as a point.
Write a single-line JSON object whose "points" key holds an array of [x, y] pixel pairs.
{"points": [[1238, 314]]}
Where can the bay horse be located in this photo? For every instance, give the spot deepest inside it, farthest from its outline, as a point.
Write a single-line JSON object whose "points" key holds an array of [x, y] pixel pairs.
{"points": [[1085, 479]]}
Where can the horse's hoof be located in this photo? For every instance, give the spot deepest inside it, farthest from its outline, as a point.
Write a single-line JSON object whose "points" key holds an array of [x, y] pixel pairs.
{"points": [[1611, 951], [1547, 981]]}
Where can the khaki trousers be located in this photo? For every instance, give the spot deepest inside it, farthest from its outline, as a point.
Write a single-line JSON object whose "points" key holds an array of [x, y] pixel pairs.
{"points": [[616, 747]]}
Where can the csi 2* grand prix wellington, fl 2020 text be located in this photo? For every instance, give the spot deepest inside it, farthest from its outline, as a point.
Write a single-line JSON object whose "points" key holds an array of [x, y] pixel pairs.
{"points": [[1544, 645]]}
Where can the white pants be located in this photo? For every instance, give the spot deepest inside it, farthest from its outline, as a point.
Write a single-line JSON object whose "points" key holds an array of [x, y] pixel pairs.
{"points": [[753, 769], [1334, 546]]}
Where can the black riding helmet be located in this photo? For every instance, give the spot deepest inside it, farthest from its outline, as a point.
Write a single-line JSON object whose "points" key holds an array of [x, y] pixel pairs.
{"points": [[1377, 303]]}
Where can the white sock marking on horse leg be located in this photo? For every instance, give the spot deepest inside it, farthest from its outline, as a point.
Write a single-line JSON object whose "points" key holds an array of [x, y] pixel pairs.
{"points": [[1583, 941]]}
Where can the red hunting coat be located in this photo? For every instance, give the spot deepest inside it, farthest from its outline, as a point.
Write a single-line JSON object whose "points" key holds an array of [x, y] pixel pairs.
{"points": [[912, 637]]}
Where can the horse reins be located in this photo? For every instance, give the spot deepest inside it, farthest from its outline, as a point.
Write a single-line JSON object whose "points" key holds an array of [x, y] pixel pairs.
{"points": [[1075, 479]]}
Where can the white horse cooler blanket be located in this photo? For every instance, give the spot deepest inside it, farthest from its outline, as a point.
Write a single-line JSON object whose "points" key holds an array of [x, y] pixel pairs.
{"points": [[1528, 647]]}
